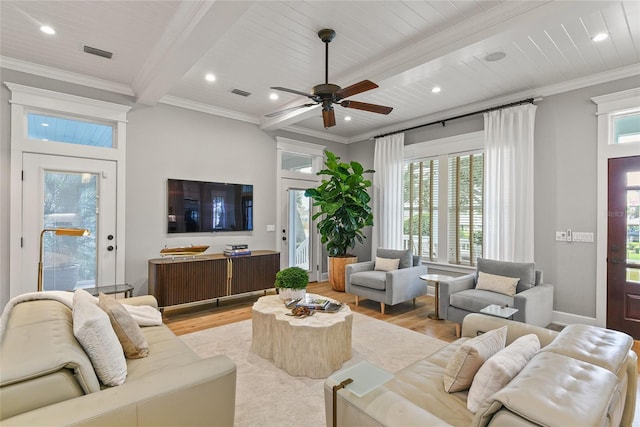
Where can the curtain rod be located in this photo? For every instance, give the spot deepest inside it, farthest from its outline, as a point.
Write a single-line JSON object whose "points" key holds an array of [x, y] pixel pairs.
{"points": [[442, 122]]}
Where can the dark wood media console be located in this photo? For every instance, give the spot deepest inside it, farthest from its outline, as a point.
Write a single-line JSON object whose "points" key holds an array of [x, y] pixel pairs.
{"points": [[176, 280]]}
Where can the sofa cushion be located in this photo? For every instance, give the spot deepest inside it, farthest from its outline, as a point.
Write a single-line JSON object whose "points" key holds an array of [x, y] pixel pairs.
{"points": [[602, 347], [405, 257], [470, 356], [386, 264], [127, 330], [370, 279], [556, 390], [474, 300], [524, 271], [494, 283], [92, 328], [500, 369]]}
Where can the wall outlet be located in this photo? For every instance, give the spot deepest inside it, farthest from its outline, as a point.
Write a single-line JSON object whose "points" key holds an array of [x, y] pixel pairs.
{"points": [[561, 236], [271, 227]]}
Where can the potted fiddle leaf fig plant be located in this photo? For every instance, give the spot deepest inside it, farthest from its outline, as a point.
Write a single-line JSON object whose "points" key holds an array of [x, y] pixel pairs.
{"points": [[345, 210], [291, 283]]}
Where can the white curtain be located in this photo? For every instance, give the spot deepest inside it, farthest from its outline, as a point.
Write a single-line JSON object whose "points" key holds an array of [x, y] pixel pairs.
{"points": [[508, 184], [387, 193]]}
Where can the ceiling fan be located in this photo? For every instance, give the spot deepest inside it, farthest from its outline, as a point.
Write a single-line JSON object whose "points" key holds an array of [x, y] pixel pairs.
{"points": [[328, 94]]}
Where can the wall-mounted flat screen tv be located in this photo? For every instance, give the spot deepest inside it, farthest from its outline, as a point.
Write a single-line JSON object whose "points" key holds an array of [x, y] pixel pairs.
{"points": [[198, 206]]}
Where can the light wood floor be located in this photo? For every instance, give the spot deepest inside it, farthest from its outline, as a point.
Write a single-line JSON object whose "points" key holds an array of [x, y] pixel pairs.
{"points": [[195, 318]]}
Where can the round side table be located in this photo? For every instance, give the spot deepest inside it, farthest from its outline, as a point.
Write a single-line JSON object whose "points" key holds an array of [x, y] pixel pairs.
{"points": [[435, 280]]}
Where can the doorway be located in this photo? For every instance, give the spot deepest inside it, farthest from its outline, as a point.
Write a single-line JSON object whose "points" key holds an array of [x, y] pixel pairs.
{"points": [[69, 192], [299, 246], [623, 245]]}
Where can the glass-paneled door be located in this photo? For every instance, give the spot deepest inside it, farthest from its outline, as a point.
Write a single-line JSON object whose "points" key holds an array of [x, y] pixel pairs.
{"points": [[298, 240], [62, 194]]}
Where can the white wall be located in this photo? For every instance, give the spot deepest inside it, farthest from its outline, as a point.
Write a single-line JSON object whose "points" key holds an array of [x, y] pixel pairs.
{"points": [[565, 188]]}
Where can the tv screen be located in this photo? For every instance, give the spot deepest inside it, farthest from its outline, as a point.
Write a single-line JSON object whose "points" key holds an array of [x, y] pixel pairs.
{"points": [[198, 206]]}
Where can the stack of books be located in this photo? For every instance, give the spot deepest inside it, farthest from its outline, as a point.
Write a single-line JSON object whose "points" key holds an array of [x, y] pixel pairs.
{"points": [[236, 250], [313, 302]]}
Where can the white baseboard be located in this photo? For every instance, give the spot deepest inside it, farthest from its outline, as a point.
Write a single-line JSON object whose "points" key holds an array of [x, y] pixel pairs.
{"points": [[563, 318], [324, 277]]}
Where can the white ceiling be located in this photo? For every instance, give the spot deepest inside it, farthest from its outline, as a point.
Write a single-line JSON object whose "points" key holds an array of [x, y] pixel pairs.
{"points": [[163, 49]]}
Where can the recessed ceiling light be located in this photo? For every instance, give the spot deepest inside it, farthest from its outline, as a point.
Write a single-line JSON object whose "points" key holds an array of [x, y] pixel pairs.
{"points": [[47, 29], [599, 37], [45, 124], [273, 96], [347, 118], [210, 77], [436, 89], [495, 56]]}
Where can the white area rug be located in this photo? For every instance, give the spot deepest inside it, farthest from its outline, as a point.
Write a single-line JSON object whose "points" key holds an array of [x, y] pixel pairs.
{"points": [[268, 396]]}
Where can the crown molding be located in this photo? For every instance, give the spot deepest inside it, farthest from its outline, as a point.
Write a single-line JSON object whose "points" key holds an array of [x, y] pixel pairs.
{"points": [[65, 76], [209, 109]]}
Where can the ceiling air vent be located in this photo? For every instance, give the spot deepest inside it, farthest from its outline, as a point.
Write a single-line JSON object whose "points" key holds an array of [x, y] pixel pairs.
{"points": [[240, 92], [97, 52]]}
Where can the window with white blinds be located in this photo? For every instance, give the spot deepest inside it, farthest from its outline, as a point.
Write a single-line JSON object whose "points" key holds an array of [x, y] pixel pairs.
{"points": [[420, 209], [465, 182], [443, 187]]}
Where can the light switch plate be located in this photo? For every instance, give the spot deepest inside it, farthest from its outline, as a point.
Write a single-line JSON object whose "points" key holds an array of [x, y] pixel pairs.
{"points": [[271, 227]]}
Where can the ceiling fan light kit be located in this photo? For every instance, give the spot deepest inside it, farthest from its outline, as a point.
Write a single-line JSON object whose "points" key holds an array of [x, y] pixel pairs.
{"points": [[327, 94]]}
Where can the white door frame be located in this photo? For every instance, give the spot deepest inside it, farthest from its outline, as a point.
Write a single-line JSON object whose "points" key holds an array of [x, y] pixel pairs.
{"points": [[286, 145], [35, 166], [607, 107], [25, 99]]}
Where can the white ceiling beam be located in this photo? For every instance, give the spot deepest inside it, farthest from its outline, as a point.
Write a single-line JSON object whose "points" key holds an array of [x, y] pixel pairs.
{"points": [[192, 32]]}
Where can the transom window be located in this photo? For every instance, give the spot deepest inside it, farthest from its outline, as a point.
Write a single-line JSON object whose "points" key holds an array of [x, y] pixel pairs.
{"points": [[626, 128], [72, 131]]}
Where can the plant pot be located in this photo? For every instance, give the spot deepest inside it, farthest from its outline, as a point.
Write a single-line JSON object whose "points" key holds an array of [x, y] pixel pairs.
{"points": [[289, 293], [337, 266]]}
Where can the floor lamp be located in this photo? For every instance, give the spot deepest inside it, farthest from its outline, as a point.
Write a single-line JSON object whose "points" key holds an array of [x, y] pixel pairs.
{"points": [[58, 232]]}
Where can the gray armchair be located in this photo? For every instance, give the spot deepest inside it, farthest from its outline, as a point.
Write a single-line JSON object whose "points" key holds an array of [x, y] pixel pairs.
{"points": [[387, 287], [533, 299]]}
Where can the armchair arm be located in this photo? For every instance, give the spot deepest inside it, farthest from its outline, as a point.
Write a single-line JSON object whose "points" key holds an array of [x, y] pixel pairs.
{"points": [[452, 286], [535, 305], [405, 284], [355, 268], [201, 393]]}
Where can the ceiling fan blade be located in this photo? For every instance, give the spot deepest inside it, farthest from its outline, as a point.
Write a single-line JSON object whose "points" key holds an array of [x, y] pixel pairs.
{"points": [[374, 108], [297, 92], [287, 110], [329, 118], [356, 88]]}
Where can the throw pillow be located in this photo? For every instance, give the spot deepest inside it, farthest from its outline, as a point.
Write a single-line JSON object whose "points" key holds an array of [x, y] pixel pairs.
{"points": [[500, 284], [127, 330], [386, 264], [500, 369], [469, 357], [92, 328]]}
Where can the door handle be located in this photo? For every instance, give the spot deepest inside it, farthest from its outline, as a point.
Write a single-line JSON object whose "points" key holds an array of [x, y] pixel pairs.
{"points": [[109, 248], [284, 238]]}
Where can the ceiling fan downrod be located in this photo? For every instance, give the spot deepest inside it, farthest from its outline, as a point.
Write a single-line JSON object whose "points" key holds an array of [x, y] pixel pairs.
{"points": [[326, 35]]}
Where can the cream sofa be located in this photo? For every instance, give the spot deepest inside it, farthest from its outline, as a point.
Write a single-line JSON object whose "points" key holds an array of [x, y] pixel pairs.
{"points": [[47, 379], [583, 376]]}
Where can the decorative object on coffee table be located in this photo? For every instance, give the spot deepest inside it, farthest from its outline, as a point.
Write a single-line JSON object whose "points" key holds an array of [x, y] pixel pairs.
{"points": [[345, 208], [291, 283]]}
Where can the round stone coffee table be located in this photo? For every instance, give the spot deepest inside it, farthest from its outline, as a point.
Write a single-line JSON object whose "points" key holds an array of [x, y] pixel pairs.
{"points": [[314, 346]]}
